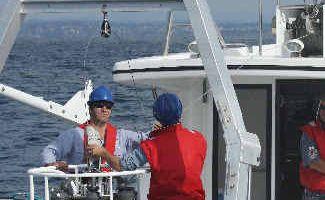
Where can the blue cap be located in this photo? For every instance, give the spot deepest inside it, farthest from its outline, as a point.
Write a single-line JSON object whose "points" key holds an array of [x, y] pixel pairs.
{"points": [[167, 109], [101, 93]]}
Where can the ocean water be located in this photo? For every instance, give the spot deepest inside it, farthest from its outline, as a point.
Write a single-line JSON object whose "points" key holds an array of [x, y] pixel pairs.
{"points": [[53, 59]]}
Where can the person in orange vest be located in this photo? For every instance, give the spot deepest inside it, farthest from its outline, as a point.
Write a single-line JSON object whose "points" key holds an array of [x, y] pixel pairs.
{"points": [[175, 154], [71, 146], [312, 147]]}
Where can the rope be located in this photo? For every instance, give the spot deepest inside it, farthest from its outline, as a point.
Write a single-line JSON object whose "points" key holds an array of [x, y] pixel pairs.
{"points": [[302, 37], [90, 41], [137, 94], [85, 77], [199, 98], [154, 92]]}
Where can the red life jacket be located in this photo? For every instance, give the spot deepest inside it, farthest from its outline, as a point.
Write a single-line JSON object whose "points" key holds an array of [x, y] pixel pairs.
{"points": [[309, 178], [176, 156], [109, 142]]}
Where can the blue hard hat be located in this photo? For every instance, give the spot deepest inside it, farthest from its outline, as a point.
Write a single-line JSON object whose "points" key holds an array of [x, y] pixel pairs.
{"points": [[167, 109], [101, 93]]}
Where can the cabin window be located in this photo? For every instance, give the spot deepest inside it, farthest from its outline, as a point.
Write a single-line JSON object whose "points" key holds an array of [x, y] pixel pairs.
{"points": [[255, 103]]}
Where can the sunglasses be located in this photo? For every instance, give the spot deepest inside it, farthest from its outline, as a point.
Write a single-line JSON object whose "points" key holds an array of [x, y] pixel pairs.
{"points": [[101, 104]]}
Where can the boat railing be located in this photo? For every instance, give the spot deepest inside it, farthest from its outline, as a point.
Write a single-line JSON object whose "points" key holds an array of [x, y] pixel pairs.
{"points": [[170, 27], [77, 173], [235, 48]]}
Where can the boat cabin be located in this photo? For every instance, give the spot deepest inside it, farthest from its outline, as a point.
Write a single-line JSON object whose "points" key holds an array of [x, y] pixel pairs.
{"points": [[277, 86]]}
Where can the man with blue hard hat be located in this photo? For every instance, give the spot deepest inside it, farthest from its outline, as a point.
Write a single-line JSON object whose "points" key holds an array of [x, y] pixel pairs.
{"points": [[175, 154], [71, 146]]}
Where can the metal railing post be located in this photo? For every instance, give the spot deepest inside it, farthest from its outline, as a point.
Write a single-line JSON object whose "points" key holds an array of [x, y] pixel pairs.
{"points": [[46, 188], [260, 27], [31, 187], [169, 32]]}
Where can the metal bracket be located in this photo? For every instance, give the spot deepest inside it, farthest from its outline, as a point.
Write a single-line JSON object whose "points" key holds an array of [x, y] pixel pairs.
{"points": [[250, 149]]}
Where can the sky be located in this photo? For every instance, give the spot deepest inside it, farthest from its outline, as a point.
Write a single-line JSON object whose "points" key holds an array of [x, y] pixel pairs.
{"points": [[222, 10], [246, 10]]}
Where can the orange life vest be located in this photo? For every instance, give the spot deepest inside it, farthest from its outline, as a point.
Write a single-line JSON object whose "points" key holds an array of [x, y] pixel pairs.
{"points": [[309, 178], [176, 156], [109, 141]]}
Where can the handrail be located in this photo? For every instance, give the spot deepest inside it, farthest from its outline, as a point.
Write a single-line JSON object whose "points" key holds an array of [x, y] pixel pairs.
{"points": [[60, 174]]}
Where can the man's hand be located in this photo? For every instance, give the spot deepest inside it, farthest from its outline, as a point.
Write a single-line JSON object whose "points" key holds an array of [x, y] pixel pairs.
{"points": [[318, 165], [97, 151], [156, 126], [60, 165]]}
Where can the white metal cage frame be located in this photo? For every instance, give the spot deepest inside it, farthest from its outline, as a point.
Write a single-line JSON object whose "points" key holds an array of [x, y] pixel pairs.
{"points": [[52, 172]]}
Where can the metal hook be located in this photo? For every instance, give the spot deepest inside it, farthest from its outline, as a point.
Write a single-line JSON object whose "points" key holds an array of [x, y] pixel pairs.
{"points": [[105, 28]]}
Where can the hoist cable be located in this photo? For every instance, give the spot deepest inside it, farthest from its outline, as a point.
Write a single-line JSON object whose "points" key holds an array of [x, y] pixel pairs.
{"points": [[196, 100], [90, 41], [136, 93]]}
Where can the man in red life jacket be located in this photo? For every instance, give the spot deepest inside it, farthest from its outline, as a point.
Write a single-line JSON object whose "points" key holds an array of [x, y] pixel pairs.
{"points": [[175, 154], [312, 146], [70, 146]]}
